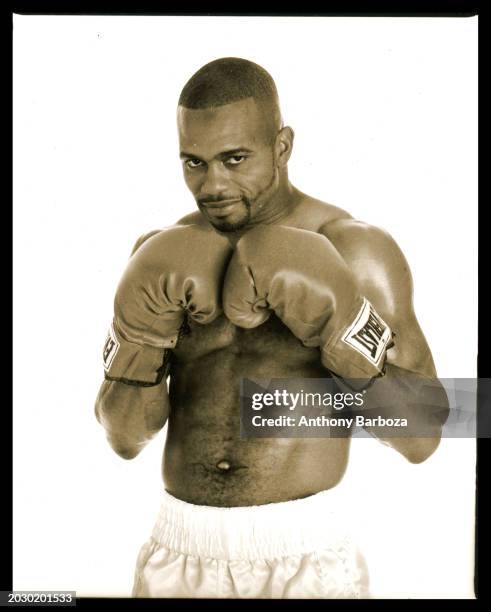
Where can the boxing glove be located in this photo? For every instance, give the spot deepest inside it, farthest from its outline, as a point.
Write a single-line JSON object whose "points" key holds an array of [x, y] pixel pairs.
{"points": [[300, 276], [176, 272]]}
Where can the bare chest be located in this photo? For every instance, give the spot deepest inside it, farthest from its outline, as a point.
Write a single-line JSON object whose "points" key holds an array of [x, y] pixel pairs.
{"points": [[272, 339]]}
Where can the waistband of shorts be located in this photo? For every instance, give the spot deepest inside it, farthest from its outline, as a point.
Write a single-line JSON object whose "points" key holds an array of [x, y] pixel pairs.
{"points": [[267, 531]]}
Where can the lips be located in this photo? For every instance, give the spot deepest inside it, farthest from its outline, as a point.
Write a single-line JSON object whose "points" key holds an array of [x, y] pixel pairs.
{"points": [[222, 204], [222, 208]]}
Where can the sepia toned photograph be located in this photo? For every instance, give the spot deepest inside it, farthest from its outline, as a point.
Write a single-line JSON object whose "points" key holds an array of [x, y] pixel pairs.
{"points": [[248, 240]]}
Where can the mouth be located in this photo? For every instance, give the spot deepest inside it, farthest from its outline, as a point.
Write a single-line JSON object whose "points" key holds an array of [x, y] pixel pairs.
{"points": [[222, 208]]}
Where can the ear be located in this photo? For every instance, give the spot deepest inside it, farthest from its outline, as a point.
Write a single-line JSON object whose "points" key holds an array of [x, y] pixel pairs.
{"points": [[283, 146]]}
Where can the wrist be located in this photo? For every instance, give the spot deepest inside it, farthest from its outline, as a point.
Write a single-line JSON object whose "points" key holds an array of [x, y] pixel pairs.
{"points": [[134, 363]]}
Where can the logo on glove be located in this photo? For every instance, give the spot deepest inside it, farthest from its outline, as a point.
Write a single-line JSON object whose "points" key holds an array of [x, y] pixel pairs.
{"points": [[111, 347], [369, 334]]}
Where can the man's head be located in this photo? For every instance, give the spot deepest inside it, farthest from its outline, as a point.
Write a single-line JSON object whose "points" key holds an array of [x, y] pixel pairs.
{"points": [[233, 146]]}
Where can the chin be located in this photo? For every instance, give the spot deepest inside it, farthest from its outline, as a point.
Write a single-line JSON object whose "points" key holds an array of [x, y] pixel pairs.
{"points": [[229, 226], [225, 226]]}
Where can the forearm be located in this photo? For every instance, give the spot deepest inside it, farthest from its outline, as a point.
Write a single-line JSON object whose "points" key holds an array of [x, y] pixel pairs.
{"points": [[131, 415], [420, 400]]}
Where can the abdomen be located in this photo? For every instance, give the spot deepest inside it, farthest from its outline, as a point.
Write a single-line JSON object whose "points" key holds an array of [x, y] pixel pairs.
{"points": [[204, 422]]}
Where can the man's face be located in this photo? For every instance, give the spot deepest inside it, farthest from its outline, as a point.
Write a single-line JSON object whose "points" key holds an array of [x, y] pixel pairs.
{"points": [[228, 161]]}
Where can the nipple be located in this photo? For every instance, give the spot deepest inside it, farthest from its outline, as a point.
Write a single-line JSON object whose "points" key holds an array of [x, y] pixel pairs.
{"points": [[223, 465]]}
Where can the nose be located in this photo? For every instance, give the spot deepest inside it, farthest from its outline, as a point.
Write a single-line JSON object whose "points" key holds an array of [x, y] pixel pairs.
{"points": [[215, 181]]}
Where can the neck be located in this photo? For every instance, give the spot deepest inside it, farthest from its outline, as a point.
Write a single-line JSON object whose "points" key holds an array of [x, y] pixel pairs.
{"points": [[276, 202], [277, 206]]}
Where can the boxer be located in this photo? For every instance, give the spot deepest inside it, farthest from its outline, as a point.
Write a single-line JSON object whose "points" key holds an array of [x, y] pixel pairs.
{"points": [[263, 281]]}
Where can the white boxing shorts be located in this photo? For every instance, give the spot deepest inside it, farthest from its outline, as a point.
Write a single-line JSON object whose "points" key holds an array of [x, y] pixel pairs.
{"points": [[296, 549]]}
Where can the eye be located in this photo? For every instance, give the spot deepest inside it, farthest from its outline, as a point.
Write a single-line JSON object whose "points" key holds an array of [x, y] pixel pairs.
{"points": [[193, 163], [235, 160]]}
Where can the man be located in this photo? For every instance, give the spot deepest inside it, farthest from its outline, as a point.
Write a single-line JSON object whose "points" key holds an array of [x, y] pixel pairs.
{"points": [[262, 282]]}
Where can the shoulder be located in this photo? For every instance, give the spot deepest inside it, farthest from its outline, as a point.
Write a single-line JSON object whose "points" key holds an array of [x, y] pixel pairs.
{"points": [[194, 218], [343, 230], [375, 259], [353, 239], [359, 240], [143, 238], [356, 241], [312, 214]]}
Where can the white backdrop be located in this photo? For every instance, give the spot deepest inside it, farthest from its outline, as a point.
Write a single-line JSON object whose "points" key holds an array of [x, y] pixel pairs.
{"points": [[385, 116]]}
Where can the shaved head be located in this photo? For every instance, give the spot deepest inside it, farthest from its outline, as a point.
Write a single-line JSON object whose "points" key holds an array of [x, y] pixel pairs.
{"points": [[232, 79]]}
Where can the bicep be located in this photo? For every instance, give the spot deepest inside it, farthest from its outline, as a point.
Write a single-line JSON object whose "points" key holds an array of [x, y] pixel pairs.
{"points": [[384, 278], [389, 288]]}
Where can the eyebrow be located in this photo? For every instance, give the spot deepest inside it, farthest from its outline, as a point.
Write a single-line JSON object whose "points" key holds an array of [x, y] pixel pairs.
{"points": [[223, 154]]}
